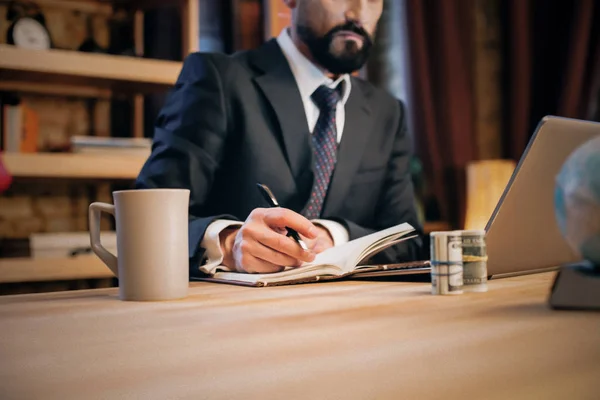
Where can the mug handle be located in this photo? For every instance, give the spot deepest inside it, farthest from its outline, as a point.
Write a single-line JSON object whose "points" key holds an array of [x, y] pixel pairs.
{"points": [[95, 210]]}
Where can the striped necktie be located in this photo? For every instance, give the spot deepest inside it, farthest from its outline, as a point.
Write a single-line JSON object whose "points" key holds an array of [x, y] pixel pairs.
{"points": [[324, 147]]}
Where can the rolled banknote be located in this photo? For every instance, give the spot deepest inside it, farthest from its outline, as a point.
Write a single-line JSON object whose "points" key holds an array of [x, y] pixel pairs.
{"points": [[446, 263], [474, 257]]}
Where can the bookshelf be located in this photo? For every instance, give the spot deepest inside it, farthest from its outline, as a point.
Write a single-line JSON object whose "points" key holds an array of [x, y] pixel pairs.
{"points": [[90, 77]]}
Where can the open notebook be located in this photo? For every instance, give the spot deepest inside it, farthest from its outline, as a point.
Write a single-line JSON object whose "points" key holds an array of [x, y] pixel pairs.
{"points": [[334, 263]]}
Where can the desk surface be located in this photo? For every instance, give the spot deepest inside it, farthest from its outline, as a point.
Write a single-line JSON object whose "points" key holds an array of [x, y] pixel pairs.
{"points": [[341, 340]]}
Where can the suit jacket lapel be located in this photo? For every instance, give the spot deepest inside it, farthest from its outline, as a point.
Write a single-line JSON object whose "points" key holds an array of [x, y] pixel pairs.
{"points": [[279, 87], [354, 139]]}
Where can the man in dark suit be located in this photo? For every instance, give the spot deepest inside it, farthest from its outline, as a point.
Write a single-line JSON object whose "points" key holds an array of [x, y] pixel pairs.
{"points": [[332, 148]]}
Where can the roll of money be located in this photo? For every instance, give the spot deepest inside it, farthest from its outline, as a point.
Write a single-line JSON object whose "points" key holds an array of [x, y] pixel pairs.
{"points": [[446, 263], [474, 257]]}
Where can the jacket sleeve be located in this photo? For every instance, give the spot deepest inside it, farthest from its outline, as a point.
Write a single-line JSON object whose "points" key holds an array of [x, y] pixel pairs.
{"points": [[396, 204], [188, 143]]}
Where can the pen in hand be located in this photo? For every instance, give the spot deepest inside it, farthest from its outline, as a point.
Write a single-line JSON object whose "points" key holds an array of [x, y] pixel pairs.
{"points": [[270, 198]]}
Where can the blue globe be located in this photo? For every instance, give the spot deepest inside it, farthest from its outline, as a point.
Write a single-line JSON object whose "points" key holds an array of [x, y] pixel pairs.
{"points": [[577, 200]]}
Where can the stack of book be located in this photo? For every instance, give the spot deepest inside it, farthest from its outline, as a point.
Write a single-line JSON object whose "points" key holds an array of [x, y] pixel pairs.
{"points": [[111, 145], [67, 244]]}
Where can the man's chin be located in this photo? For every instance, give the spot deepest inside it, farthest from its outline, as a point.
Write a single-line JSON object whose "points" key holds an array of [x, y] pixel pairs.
{"points": [[347, 46], [343, 40]]}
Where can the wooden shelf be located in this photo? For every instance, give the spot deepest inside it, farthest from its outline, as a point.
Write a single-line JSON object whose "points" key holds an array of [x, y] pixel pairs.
{"points": [[119, 73], [83, 166], [52, 269]]}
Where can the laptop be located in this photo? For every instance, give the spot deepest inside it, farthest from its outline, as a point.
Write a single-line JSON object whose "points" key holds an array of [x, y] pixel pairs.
{"points": [[522, 235]]}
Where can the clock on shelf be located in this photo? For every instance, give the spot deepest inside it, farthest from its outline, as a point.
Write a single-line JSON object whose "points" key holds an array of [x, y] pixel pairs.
{"points": [[27, 26]]}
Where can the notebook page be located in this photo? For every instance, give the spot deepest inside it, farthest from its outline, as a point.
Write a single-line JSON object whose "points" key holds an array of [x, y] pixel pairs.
{"points": [[382, 245], [347, 255]]}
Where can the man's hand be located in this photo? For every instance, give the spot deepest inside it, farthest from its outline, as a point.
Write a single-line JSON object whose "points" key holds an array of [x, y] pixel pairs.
{"points": [[260, 245], [322, 242]]}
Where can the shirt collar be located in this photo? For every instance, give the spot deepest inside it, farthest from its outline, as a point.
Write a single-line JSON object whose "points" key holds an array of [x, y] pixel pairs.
{"points": [[308, 76]]}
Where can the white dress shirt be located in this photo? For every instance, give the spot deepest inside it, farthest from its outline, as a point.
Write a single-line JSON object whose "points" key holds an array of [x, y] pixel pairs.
{"points": [[308, 78]]}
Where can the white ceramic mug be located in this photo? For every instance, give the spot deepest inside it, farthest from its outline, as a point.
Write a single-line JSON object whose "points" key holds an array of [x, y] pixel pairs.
{"points": [[152, 242]]}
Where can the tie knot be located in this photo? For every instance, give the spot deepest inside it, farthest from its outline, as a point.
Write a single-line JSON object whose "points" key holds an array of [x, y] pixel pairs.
{"points": [[326, 97]]}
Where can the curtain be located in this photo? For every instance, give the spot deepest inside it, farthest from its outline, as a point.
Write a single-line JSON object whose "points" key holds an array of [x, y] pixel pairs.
{"points": [[552, 64], [550, 52], [441, 96]]}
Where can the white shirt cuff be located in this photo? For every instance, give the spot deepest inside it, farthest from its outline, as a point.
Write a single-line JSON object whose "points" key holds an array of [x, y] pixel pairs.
{"points": [[338, 232], [212, 245]]}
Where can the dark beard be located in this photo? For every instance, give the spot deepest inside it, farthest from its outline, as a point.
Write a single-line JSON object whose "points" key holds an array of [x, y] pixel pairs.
{"points": [[352, 59]]}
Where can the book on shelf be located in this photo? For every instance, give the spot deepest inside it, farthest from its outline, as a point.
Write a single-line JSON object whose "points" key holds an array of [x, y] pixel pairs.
{"points": [[111, 145], [19, 126], [339, 262]]}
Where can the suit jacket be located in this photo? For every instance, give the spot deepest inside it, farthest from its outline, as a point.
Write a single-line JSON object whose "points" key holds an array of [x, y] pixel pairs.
{"points": [[234, 120]]}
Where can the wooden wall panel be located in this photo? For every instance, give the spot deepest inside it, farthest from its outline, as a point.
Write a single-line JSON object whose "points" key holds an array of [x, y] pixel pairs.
{"points": [[248, 24], [43, 206], [277, 17]]}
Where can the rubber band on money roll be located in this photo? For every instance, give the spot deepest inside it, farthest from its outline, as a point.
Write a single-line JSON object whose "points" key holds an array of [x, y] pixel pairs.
{"points": [[437, 273], [442, 263]]}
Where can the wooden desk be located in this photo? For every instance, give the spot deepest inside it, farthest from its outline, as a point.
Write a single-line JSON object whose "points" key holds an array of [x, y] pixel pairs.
{"points": [[345, 340]]}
